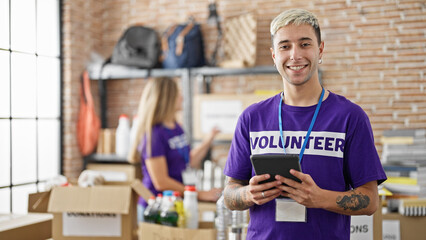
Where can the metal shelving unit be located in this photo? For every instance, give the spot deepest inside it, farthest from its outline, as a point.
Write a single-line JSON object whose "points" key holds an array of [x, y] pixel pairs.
{"points": [[187, 75]]}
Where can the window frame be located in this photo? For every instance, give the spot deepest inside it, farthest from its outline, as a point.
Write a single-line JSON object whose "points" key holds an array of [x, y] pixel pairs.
{"points": [[36, 118]]}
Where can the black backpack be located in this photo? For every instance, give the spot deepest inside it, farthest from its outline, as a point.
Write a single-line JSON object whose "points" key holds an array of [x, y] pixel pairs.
{"points": [[138, 47]]}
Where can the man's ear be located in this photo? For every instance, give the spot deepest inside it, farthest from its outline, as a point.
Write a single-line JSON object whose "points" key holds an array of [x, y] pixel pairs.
{"points": [[321, 49], [272, 54]]}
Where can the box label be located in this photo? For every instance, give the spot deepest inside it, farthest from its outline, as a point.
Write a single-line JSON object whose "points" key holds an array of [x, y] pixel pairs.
{"points": [[391, 230], [361, 227], [91, 224]]}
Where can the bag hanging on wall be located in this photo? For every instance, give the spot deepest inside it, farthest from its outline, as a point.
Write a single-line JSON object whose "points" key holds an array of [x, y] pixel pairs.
{"points": [[138, 47], [183, 46], [88, 124]]}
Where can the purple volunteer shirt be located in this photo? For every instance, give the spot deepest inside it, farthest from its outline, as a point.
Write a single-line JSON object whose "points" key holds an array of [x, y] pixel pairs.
{"points": [[340, 155], [173, 145]]}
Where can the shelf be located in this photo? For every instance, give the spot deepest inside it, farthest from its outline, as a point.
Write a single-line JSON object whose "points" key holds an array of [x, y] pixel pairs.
{"points": [[114, 71], [105, 158], [215, 71]]}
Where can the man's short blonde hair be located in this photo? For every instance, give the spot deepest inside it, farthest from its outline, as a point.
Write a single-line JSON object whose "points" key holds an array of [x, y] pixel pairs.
{"points": [[295, 17]]}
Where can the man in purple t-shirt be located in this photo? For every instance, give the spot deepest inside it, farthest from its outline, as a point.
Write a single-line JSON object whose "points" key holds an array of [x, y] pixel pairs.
{"points": [[332, 136]]}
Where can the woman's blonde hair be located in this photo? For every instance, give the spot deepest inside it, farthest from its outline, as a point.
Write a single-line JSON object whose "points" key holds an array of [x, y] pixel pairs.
{"points": [[296, 17], [157, 104]]}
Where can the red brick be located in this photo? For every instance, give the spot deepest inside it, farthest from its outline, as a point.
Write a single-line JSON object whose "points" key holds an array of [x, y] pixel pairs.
{"points": [[371, 47]]}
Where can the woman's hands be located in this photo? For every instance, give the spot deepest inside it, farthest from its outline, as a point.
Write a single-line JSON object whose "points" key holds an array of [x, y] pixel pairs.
{"points": [[199, 152], [212, 134]]}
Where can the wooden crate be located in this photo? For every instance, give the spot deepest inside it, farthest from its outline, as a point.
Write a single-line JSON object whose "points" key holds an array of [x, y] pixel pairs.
{"points": [[239, 41]]}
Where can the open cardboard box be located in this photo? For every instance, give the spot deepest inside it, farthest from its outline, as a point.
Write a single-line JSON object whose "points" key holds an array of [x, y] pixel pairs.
{"points": [[100, 212], [108, 212], [149, 231], [38, 202], [206, 229]]}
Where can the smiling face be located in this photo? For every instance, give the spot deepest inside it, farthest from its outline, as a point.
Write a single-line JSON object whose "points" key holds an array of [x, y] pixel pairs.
{"points": [[296, 53]]}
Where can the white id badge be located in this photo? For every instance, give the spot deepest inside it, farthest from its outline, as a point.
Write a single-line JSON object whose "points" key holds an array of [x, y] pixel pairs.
{"points": [[288, 210]]}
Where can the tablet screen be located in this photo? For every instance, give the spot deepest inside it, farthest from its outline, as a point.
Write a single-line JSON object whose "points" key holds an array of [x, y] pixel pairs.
{"points": [[276, 164]]}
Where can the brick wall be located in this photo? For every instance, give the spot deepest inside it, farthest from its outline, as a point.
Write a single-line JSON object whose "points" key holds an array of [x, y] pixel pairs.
{"points": [[81, 35], [374, 55]]}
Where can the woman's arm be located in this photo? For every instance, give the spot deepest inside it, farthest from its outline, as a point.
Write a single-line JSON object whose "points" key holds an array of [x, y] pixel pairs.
{"points": [[158, 170], [197, 154]]}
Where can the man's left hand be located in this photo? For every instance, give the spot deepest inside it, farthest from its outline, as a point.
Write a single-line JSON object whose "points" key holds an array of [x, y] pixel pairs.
{"points": [[306, 193]]}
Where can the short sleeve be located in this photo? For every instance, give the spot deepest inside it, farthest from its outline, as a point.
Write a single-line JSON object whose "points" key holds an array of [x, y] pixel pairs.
{"points": [[158, 144], [362, 163], [238, 165]]}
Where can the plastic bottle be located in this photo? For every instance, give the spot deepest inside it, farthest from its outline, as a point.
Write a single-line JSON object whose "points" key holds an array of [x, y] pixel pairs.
{"points": [[122, 136], [133, 129], [238, 223], [168, 215], [207, 175], [151, 214], [177, 199], [222, 219], [190, 206], [157, 207]]}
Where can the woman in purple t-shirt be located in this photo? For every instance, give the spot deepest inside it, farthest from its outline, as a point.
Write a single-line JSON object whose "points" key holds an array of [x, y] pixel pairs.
{"points": [[164, 149]]}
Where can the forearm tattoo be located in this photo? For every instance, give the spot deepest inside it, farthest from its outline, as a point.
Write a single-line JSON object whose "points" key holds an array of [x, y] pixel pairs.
{"points": [[354, 202], [235, 197]]}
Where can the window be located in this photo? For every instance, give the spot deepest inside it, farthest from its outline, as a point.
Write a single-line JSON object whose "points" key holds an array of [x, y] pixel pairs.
{"points": [[30, 109]]}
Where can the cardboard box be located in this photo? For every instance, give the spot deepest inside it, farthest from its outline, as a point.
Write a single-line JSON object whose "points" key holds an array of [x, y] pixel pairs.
{"points": [[38, 202], [96, 212], [222, 111], [397, 226], [34, 226], [117, 173], [206, 211], [367, 227], [149, 231], [106, 141]]}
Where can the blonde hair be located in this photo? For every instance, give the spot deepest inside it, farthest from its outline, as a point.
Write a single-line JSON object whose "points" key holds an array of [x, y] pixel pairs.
{"points": [[157, 104], [296, 17]]}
